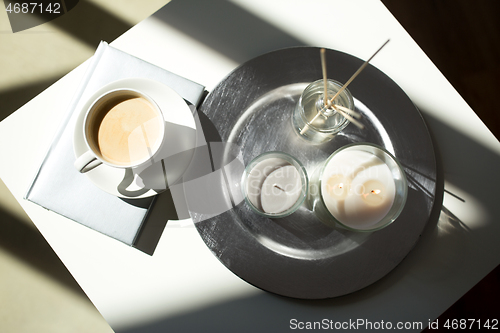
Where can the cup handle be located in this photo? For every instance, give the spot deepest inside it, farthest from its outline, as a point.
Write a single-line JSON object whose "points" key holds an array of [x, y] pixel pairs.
{"points": [[86, 162]]}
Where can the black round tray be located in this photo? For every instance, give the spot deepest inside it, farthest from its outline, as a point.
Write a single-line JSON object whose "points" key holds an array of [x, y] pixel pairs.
{"points": [[298, 256]]}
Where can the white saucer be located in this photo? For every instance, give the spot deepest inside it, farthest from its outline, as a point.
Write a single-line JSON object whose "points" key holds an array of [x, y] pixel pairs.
{"points": [[121, 182]]}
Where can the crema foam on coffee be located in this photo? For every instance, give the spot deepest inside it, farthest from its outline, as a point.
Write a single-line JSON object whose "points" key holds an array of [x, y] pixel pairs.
{"points": [[126, 130]]}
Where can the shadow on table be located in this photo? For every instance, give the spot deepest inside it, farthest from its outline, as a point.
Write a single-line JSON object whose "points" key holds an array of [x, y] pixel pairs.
{"points": [[13, 98], [226, 28], [87, 23], [90, 24], [442, 254], [212, 23], [29, 246], [173, 205]]}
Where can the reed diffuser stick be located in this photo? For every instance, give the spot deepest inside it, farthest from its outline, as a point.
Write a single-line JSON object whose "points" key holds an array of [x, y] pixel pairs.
{"points": [[330, 102], [325, 86], [347, 110], [348, 116], [360, 69], [325, 76]]}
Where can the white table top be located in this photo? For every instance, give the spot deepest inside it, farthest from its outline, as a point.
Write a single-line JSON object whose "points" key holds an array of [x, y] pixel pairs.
{"points": [[183, 286]]}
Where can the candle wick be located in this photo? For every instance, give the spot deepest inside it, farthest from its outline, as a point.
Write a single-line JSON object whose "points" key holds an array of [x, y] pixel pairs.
{"points": [[279, 188]]}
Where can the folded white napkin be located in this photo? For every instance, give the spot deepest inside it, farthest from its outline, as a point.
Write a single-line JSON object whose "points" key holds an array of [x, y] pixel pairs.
{"points": [[58, 187]]}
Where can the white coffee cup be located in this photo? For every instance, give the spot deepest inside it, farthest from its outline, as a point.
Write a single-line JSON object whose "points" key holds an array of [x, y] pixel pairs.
{"points": [[123, 128]]}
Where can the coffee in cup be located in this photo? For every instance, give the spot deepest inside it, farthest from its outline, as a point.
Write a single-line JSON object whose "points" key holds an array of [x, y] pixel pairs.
{"points": [[123, 128]]}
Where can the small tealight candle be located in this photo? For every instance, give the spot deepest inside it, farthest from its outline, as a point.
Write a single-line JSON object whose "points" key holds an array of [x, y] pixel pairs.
{"points": [[274, 184], [258, 175], [362, 187], [280, 190]]}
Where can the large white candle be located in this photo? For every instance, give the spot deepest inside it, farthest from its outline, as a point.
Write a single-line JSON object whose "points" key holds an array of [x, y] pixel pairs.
{"points": [[357, 188]]}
